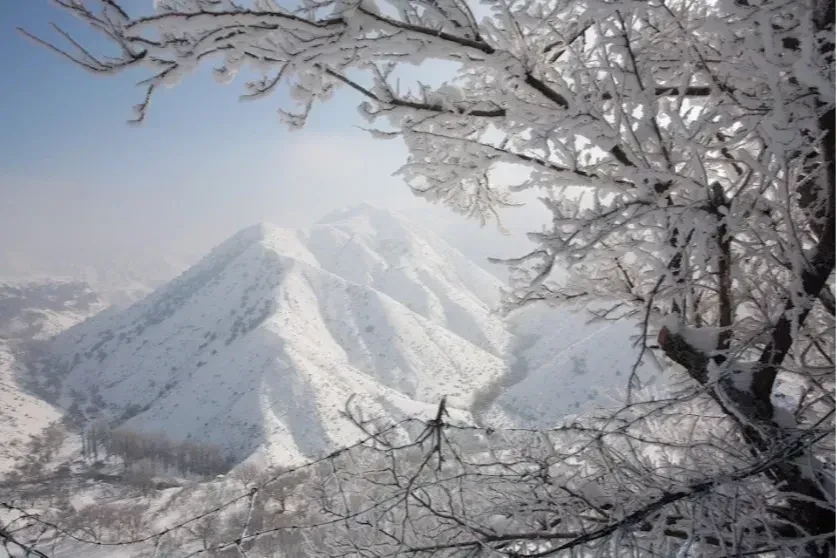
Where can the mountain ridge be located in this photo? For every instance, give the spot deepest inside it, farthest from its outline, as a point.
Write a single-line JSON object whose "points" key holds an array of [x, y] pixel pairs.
{"points": [[257, 347], [301, 338]]}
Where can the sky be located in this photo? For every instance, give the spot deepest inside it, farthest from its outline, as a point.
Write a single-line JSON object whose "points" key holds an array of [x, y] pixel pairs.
{"points": [[76, 182]]}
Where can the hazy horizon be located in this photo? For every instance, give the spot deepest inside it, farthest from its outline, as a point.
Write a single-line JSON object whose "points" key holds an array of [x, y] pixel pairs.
{"points": [[82, 186]]}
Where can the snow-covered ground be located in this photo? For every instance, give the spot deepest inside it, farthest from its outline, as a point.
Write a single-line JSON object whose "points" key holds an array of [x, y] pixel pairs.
{"points": [[565, 364], [22, 414], [31, 312]]}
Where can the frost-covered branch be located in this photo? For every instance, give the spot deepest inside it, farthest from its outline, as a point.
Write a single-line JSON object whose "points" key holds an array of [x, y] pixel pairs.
{"points": [[685, 152]]}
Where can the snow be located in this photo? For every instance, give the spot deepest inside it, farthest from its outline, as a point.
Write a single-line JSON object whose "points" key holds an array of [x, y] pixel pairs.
{"points": [[704, 339], [38, 309], [672, 322], [22, 414], [31, 312], [258, 346], [80, 501], [569, 365]]}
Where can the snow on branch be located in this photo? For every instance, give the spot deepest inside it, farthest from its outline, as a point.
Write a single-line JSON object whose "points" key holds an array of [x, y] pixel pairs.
{"points": [[685, 152]]}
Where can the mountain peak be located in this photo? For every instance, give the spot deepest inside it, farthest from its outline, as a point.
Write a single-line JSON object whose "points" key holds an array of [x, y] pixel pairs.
{"points": [[253, 233]]}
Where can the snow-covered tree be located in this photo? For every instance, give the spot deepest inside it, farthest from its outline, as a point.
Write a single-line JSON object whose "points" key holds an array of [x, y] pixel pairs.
{"points": [[686, 152]]}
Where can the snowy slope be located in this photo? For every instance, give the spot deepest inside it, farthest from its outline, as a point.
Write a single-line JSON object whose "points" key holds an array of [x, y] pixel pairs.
{"points": [[261, 343], [22, 414], [30, 313], [373, 247], [564, 364]]}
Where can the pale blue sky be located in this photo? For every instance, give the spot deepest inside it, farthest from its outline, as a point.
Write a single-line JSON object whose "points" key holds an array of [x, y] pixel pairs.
{"points": [[75, 178]]}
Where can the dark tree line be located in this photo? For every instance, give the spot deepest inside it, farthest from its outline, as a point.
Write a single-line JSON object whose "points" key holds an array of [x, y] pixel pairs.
{"points": [[100, 441]]}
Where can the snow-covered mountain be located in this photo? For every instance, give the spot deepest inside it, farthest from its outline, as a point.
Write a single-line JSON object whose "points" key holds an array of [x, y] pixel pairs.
{"points": [[31, 312], [258, 346]]}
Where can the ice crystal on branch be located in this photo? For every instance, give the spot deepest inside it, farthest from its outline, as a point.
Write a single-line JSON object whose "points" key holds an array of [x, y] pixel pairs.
{"points": [[686, 153]]}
